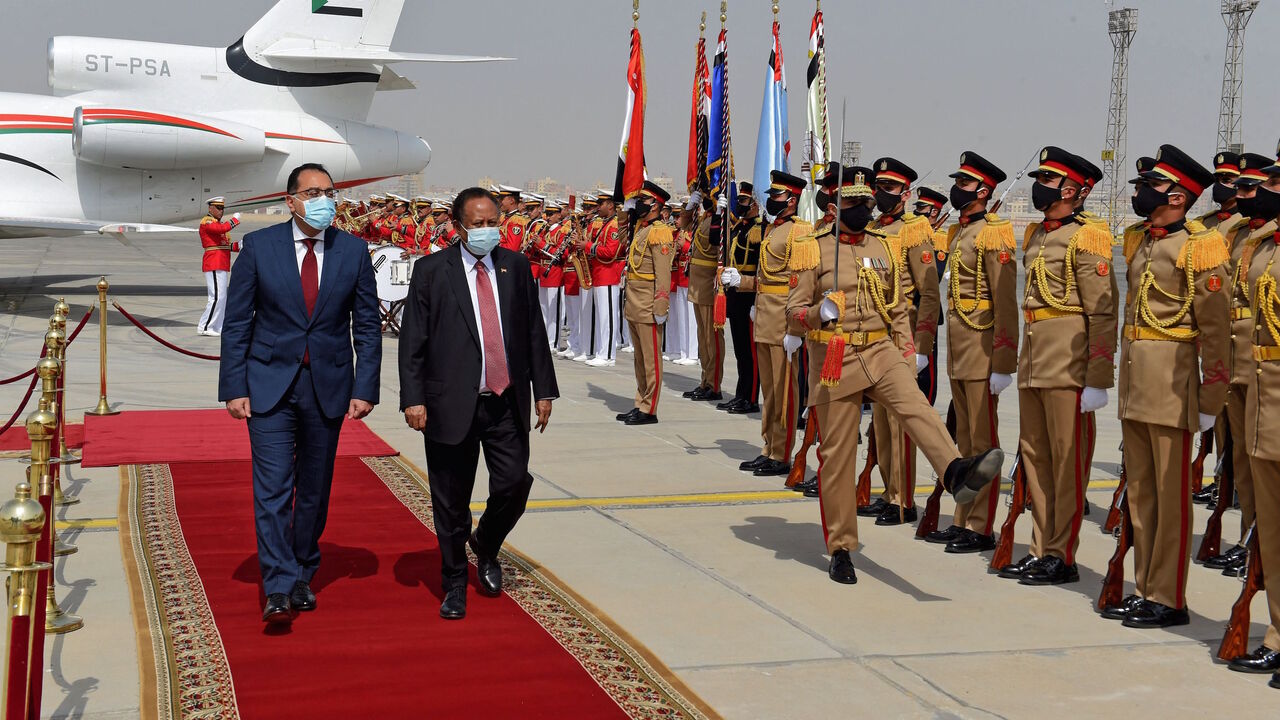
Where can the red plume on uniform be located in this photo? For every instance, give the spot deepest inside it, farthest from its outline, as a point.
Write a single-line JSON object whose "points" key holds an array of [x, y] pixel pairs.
{"points": [[631, 174]]}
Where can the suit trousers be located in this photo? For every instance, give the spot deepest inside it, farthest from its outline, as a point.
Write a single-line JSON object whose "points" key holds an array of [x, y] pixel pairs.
{"points": [[976, 424], [293, 447], [710, 347], [778, 411], [451, 472], [1267, 504], [1052, 437], [1157, 463], [738, 311], [648, 363], [215, 309]]}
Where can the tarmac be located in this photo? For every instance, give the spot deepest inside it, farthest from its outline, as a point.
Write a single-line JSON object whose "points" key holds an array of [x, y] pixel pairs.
{"points": [[721, 574]]}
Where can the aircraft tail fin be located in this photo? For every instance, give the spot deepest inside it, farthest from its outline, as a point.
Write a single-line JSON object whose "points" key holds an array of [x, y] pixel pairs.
{"points": [[367, 24]]}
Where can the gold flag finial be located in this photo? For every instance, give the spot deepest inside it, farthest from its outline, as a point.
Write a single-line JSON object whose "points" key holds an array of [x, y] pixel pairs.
{"points": [[635, 12], [775, 10], [724, 12], [702, 26]]}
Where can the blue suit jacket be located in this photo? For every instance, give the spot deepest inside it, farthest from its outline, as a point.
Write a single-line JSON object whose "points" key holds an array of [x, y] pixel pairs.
{"points": [[267, 329]]}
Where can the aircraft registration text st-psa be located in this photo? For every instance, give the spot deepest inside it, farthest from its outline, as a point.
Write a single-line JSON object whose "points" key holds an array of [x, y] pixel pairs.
{"points": [[137, 134]]}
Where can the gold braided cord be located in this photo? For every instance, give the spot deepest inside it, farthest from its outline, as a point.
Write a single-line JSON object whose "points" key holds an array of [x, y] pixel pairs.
{"points": [[1266, 299], [1146, 282], [965, 308], [779, 272], [1041, 274]]}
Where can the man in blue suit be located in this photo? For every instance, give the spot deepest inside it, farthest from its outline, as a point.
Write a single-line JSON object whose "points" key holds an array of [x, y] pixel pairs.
{"points": [[300, 295]]}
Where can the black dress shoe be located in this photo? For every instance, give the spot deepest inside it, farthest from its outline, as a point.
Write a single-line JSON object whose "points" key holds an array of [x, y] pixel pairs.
{"points": [[1262, 660], [804, 485], [1217, 562], [812, 491], [1206, 495], [971, 542], [454, 606], [1275, 681], [1237, 567], [746, 408], [749, 465], [690, 393], [488, 570], [841, 568], [965, 477], [623, 417], [896, 515], [1121, 611], [1013, 571], [731, 402], [710, 395], [772, 468], [278, 610], [701, 393], [1050, 570], [874, 509], [1150, 614], [301, 598], [641, 418], [942, 537]]}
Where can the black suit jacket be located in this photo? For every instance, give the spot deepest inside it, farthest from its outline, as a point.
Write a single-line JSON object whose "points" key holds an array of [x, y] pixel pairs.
{"points": [[440, 359]]}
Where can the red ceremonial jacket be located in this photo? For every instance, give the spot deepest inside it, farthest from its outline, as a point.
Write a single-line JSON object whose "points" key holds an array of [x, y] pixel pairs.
{"points": [[217, 245], [607, 256]]}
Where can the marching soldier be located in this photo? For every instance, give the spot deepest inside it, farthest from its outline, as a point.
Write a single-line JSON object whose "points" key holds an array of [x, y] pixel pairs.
{"points": [[911, 238], [1066, 364], [1173, 378], [982, 345], [851, 311], [607, 255], [772, 284], [216, 264], [648, 294], [702, 295], [739, 280]]}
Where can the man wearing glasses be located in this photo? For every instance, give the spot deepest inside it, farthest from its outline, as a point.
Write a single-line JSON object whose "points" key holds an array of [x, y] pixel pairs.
{"points": [[301, 295]]}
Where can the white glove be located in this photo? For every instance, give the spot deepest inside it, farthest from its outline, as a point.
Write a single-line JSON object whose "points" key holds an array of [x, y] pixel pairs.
{"points": [[828, 310], [722, 204], [629, 205], [659, 319], [236, 217], [1092, 399], [999, 382], [752, 313], [731, 277], [1206, 422], [694, 201], [791, 343], [922, 362]]}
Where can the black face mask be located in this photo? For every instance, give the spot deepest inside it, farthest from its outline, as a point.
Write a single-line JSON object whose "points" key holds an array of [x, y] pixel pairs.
{"points": [[642, 209], [1247, 206], [824, 199], [1222, 193], [855, 219], [960, 198], [775, 206], [1148, 200], [1042, 196], [887, 201], [1266, 204]]}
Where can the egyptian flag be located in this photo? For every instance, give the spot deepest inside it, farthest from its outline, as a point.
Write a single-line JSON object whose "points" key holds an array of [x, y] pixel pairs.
{"points": [[630, 178], [719, 143], [772, 144], [819, 133], [699, 116]]}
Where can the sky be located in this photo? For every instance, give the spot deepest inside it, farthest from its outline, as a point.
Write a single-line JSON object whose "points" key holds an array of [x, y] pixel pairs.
{"points": [[924, 79]]}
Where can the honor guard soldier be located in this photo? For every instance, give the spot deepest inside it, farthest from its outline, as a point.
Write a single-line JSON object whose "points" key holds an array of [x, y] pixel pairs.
{"points": [[929, 204], [1066, 363], [216, 264], [648, 296], [739, 280], [512, 223], [607, 255], [1226, 168], [1262, 411], [1254, 228], [547, 254], [845, 300], [1173, 378], [911, 238], [703, 266], [773, 282], [575, 270], [982, 344], [680, 337]]}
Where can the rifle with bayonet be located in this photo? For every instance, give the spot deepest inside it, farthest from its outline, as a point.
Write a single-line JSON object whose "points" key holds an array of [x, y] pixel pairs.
{"points": [[1113, 584], [1235, 641], [999, 203], [1211, 543], [929, 520], [1017, 503], [1197, 466], [1113, 514]]}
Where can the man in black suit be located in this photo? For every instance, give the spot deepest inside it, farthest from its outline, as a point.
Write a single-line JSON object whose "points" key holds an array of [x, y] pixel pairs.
{"points": [[472, 347]]}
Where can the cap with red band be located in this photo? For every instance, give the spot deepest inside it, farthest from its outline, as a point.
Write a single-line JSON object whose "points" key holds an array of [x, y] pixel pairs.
{"points": [[973, 165], [1175, 165], [893, 170]]}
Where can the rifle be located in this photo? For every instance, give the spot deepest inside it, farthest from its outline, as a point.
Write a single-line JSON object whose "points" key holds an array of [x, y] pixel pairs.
{"points": [[864, 478], [929, 521], [1113, 514], [1211, 543], [1017, 503], [996, 207], [1197, 467], [1113, 584], [1235, 642], [799, 467]]}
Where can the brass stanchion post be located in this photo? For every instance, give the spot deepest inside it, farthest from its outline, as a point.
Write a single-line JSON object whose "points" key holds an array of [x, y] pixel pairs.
{"points": [[56, 344], [21, 520], [65, 456], [55, 619], [104, 408]]}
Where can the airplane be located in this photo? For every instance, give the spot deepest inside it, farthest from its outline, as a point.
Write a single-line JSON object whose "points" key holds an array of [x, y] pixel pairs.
{"points": [[138, 134]]}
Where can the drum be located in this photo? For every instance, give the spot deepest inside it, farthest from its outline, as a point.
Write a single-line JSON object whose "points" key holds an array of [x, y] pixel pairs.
{"points": [[392, 268]]}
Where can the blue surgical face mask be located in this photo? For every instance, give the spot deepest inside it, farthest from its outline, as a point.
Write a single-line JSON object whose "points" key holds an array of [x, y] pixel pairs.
{"points": [[482, 240], [319, 212]]}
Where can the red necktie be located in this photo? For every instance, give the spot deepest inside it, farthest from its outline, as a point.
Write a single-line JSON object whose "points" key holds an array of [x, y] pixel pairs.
{"points": [[495, 356], [310, 285]]}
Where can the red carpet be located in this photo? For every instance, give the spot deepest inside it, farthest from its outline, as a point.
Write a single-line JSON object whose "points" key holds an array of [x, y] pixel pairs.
{"points": [[375, 647], [161, 436], [15, 438]]}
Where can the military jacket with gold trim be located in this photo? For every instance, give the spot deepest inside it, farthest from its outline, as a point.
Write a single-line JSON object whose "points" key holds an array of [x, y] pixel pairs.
{"points": [[774, 278], [1243, 238], [703, 264], [982, 299], [648, 288], [911, 238], [1262, 406]]}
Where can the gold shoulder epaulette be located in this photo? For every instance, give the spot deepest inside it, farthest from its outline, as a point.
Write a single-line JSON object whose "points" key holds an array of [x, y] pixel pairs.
{"points": [[1093, 238], [997, 235], [207, 219], [1205, 250], [1195, 226], [915, 231], [1088, 216], [1133, 238], [805, 252], [1026, 237], [942, 240], [1238, 224], [951, 234], [660, 234]]}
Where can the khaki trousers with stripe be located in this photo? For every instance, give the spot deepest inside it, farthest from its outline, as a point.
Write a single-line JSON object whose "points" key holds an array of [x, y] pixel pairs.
{"points": [[648, 362], [1267, 504], [710, 346], [1157, 462], [1052, 437], [976, 433], [778, 401]]}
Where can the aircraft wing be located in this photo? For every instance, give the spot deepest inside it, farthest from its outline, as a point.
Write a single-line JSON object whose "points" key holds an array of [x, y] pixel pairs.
{"points": [[26, 227], [369, 55]]}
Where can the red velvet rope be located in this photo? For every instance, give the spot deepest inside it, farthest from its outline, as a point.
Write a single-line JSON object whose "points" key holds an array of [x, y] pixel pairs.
{"points": [[16, 378], [34, 379], [161, 340]]}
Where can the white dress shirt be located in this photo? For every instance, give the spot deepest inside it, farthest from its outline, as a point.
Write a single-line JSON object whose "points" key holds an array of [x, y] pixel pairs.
{"points": [[300, 249], [469, 263]]}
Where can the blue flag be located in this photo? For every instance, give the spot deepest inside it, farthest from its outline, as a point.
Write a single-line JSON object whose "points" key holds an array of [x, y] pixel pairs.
{"points": [[719, 146], [773, 144]]}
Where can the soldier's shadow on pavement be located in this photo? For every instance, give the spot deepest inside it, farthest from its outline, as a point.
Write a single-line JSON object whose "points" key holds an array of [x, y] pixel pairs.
{"points": [[801, 542], [615, 403], [732, 448]]}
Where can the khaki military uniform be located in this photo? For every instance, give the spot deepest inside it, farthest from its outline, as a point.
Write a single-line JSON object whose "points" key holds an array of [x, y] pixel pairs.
{"points": [[878, 364], [911, 239], [1262, 414], [1176, 329], [1069, 310], [772, 284], [982, 330], [648, 291], [703, 268]]}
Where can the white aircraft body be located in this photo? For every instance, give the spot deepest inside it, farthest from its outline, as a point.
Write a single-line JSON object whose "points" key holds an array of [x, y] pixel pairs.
{"points": [[139, 134]]}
